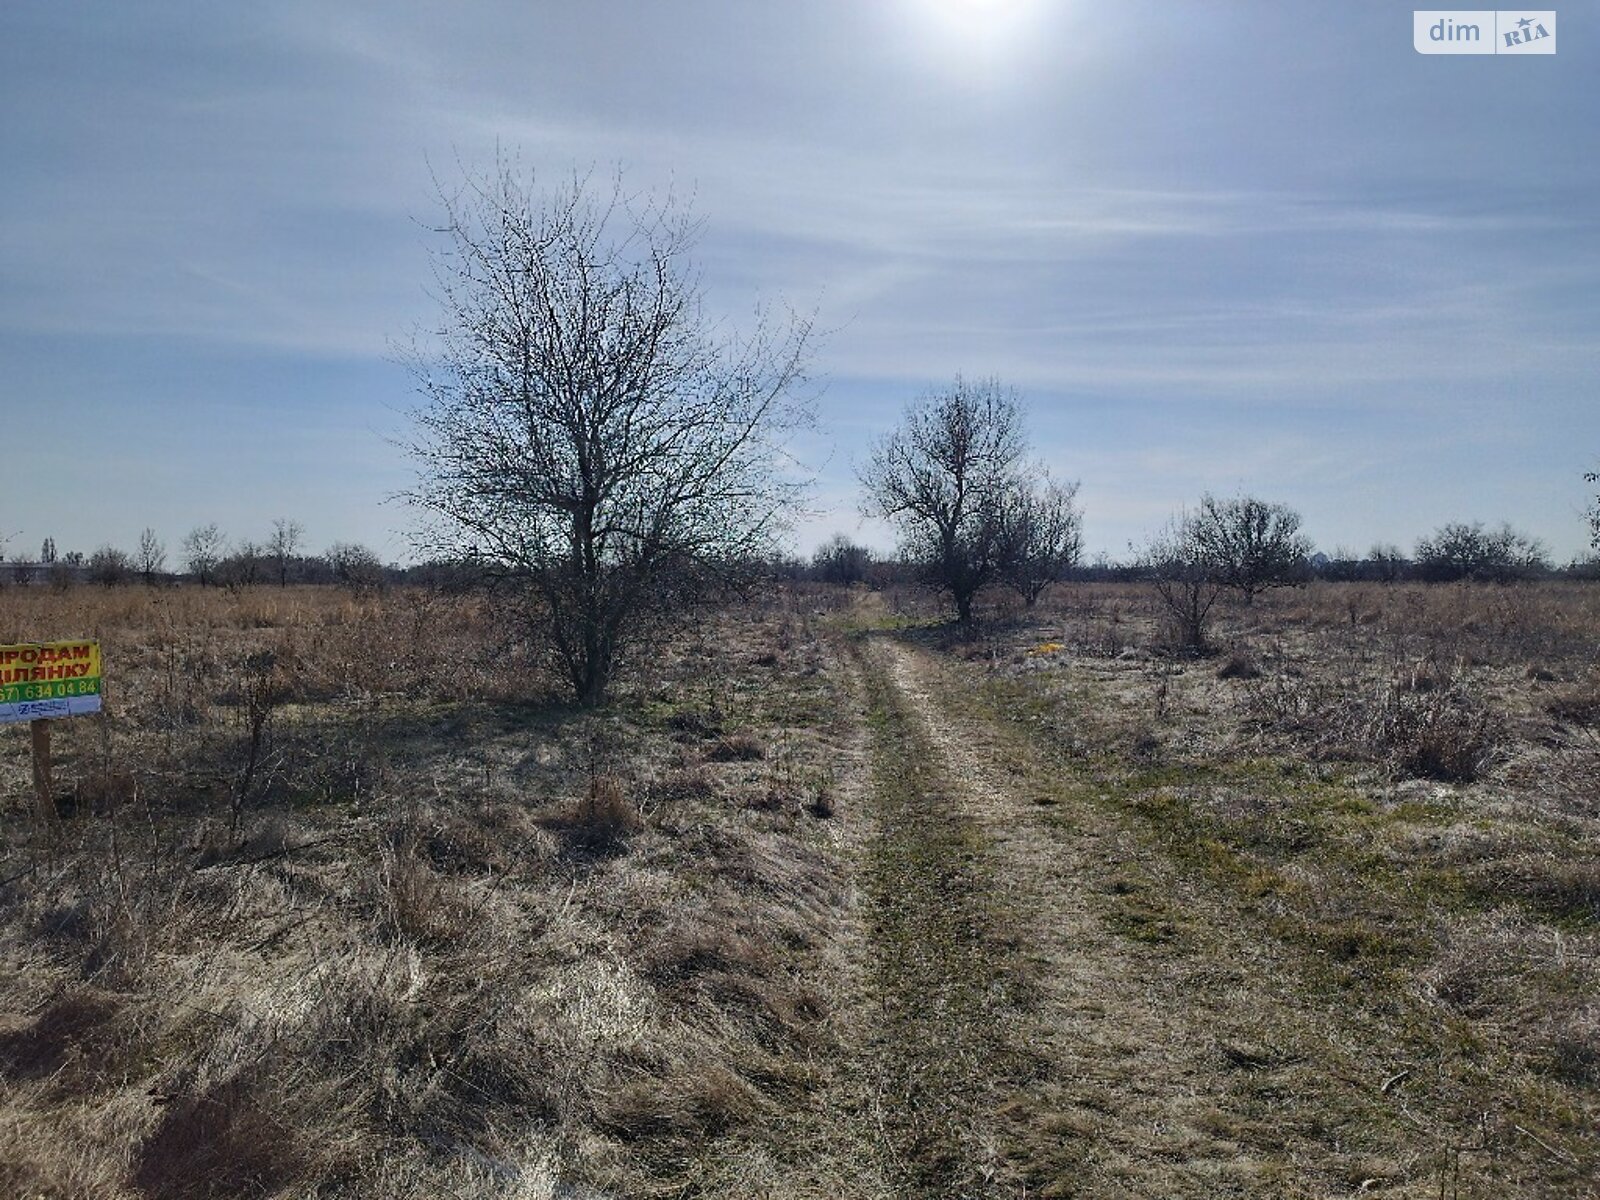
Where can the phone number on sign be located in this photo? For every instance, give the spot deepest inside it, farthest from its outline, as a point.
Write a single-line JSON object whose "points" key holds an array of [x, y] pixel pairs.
{"points": [[51, 691]]}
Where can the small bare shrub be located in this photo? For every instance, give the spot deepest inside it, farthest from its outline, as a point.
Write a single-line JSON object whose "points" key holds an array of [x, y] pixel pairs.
{"points": [[1239, 665], [605, 816], [1447, 735], [822, 803], [1420, 722]]}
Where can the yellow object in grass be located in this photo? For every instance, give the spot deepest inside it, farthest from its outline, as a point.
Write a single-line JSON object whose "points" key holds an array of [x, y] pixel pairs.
{"points": [[1047, 648]]}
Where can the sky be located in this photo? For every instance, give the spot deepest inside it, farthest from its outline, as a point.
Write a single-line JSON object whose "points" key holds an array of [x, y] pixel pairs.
{"points": [[1216, 247]]}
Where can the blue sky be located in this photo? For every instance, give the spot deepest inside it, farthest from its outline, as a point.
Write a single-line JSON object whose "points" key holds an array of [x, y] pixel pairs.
{"points": [[1217, 246]]}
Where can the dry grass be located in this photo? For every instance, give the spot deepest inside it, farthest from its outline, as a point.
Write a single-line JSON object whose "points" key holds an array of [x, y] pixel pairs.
{"points": [[342, 904], [443, 937], [1403, 799]]}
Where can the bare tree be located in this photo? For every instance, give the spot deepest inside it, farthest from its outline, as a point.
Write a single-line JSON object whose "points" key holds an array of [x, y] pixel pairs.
{"points": [[65, 570], [151, 556], [1250, 545], [1385, 563], [1593, 513], [588, 432], [945, 478], [1043, 534], [241, 568], [283, 545], [202, 552], [1175, 563], [47, 552]]}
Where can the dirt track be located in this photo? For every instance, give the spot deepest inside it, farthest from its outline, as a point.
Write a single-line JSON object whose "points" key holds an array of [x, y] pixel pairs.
{"points": [[1063, 1014]]}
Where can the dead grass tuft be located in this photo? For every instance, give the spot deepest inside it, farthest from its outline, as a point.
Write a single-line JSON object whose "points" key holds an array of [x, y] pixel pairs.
{"points": [[688, 1102], [697, 723], [683, 953], [605, 816], [1579, 705], [683, 786], [419, 903], [1572, 1047], [1559, 888], [738, 747]]}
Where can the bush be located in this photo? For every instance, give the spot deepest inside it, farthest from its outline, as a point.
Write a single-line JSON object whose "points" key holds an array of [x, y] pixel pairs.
{"points": [[1421, 722], [1458, 551], [1446, 735], [109, 566]]}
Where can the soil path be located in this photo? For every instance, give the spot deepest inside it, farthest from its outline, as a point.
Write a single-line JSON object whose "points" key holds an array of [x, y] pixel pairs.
{"points": [[1060, 1015]]}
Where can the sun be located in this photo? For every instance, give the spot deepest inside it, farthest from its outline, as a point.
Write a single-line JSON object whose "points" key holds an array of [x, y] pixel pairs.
{"points": [[975, 32]]}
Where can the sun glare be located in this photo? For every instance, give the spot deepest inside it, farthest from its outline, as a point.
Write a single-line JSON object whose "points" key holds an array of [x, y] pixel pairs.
{"points": [[971, 33]]}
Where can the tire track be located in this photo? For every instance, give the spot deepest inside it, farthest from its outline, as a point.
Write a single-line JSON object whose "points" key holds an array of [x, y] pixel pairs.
{"points": [[946, 980]]}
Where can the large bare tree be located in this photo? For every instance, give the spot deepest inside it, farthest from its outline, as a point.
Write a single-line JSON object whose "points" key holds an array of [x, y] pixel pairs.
{"points": [[587, 429], [946, 477], [1250, 545]]}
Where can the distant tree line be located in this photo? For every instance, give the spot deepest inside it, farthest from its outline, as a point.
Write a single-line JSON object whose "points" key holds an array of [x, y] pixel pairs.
{"points": [[206, 557], [1243, 544]]}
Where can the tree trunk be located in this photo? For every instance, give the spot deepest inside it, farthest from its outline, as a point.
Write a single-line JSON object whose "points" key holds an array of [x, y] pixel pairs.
{"points": [[592, 675], [964, 609]]}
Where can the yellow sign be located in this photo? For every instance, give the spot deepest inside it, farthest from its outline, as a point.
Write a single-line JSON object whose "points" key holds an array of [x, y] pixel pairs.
{"points": [[42, 681]]}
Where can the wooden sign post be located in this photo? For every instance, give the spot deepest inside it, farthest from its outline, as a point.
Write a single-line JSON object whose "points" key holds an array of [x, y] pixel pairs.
{"points": [[41, 683], [43, 793]]}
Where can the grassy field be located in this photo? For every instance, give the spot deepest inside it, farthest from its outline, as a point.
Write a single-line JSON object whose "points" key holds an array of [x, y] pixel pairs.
{"points": [[828, 902]]}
